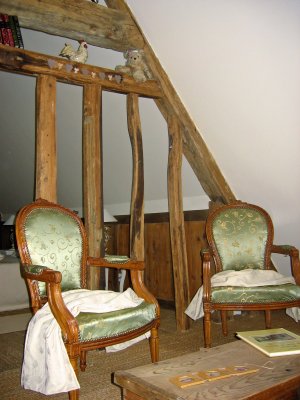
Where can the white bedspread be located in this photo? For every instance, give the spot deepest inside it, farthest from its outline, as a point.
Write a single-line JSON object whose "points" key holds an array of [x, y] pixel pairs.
{"points": [[244, 278], [46, 367]]}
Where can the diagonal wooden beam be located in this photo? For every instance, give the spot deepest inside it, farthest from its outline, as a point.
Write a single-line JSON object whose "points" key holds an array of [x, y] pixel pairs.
{"points": [[194, 147], [77, 19]]}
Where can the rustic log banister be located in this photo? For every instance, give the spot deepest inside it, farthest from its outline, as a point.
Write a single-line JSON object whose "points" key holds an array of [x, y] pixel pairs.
{"points": [[27, 62]]}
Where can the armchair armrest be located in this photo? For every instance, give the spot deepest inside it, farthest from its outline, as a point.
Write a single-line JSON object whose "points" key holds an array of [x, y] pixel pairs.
{"points": [[64, 318], [285, 249], [293, 253], [118, 262], [135, 267], [41, 273]]}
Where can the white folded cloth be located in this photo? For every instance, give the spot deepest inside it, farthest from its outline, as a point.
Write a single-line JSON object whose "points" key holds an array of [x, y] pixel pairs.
{"points": [[243, 278], [46, 366]]}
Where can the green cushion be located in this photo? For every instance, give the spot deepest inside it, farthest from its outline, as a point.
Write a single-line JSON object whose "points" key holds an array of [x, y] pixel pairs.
{"points": [[54, 240], [240, 236], [258, 294], [93, 326]]}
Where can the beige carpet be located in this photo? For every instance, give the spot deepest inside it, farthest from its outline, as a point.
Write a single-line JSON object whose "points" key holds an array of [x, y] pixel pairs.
{"points": [[96, 382]]}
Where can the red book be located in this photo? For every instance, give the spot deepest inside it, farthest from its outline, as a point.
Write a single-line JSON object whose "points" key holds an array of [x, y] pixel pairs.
{"points": [[7, 36]]}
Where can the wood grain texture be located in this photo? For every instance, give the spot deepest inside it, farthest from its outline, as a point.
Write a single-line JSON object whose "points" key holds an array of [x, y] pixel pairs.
{"points": [[46, 154], [137, 191], [177, 233], [93, 176], [77, 19], [158, 258], [27, 62], [158, 274], [153, 381]]}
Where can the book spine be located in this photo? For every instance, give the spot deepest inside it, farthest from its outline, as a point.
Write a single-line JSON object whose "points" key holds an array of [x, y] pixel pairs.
{"points": [[6, 31], [14, 31], [18, 31]]}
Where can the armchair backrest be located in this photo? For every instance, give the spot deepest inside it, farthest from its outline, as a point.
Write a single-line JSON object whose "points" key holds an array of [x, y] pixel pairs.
{"points": [[52, 236], [240, 235]]}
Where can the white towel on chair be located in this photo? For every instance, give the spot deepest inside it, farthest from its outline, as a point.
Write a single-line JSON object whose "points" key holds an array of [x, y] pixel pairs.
{"points": [[243, 278], [46, 367]]}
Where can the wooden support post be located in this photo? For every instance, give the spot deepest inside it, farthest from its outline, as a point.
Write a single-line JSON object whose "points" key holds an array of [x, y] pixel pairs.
{"points": [[137, 193], [46, 155], [177, 232], [93, 176]]}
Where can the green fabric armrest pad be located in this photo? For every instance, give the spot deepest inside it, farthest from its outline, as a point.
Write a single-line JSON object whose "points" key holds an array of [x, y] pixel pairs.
{"points": [[115, 259], [258, 294], [34, 269], [94, 326]]}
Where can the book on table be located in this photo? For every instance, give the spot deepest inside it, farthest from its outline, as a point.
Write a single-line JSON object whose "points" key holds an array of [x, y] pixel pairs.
{"points": [[272, 342]]}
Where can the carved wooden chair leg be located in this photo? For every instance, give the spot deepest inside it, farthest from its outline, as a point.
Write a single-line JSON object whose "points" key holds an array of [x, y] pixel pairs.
{"points": [[207, 328], [224, 322], [268, 318], [154, 345], [83, 361], [74, 394]]}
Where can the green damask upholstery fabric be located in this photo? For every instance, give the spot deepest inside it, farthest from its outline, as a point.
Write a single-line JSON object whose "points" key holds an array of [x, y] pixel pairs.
{"points": [[240, 236], [54, 241], [116, 259], [93, 326], [257, 294]]}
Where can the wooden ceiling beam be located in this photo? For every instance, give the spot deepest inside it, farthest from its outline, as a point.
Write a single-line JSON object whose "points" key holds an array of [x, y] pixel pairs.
{"points": [[27, 62], [77, 19]]}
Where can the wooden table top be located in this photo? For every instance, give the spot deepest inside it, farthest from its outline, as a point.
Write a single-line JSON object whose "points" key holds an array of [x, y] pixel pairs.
{"points": [[152, 381]]}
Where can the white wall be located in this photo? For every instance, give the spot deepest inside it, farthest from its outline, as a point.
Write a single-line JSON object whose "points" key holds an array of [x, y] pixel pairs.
{"points": [[235, 64]]}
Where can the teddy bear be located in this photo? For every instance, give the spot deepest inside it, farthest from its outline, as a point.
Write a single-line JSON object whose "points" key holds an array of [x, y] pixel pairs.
{"points": [[135, 66]]}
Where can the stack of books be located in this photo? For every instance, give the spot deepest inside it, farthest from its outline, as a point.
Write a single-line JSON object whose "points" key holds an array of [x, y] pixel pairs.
{"points": [[10, 32]]}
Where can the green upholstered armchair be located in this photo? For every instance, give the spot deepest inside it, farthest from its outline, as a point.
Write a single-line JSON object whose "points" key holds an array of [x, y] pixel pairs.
{"points": [[240, 236], [53, 248]]}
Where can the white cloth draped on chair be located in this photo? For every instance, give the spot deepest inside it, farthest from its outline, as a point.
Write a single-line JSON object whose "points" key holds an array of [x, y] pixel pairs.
{"points": [[46, 366], [243, 278]]}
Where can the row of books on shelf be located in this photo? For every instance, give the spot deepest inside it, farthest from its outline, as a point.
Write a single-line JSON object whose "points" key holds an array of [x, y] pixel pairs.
{"points": [[10, 31]]}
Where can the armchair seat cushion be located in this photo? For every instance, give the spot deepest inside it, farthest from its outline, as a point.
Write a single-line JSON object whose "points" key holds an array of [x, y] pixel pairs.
{"points": [[258, 294], [93, 326]]}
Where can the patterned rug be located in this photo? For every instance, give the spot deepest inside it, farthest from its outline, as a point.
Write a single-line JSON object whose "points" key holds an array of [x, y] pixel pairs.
{"points": [[96, 382]]}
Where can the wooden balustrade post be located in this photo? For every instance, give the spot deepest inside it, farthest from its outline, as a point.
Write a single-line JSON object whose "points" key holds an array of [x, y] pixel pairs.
{"points": [[93, 176], [177, 232], [137, 192], [46, 154]]}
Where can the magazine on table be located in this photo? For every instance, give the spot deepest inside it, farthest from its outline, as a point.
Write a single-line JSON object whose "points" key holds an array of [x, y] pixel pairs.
{"points": [[272, 342]]}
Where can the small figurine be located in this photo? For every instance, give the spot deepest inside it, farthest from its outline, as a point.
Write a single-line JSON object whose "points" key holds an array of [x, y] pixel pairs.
{"points": [[79, 55], [135, 66]]}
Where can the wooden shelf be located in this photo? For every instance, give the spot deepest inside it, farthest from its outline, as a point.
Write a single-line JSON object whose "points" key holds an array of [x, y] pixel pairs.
{"points": [[26, 62]]}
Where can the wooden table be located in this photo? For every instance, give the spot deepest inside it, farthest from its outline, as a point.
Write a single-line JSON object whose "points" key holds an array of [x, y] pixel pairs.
{"points": [[152, 382]]}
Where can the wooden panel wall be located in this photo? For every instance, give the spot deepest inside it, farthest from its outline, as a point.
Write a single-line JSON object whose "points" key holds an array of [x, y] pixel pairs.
{"points": [[159, 273]]}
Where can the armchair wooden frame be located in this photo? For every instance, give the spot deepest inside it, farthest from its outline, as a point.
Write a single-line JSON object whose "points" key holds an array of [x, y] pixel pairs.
{"points": [[68, 324], [211, 256]]}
